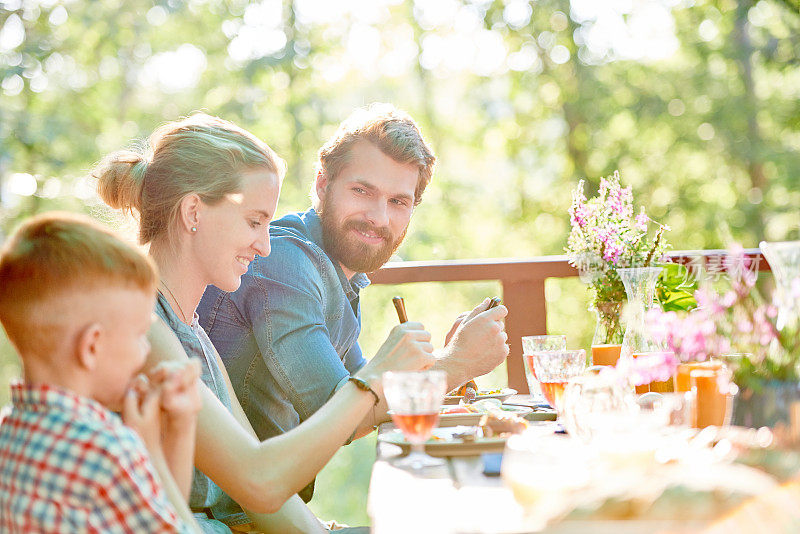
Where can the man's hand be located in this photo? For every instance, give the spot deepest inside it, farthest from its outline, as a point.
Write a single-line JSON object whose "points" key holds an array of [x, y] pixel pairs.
{"points": [[141, 412], [454, 328], [408, 348], [476, 344]]}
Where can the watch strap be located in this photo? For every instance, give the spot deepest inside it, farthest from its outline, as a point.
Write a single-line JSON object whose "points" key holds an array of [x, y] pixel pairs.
{"points": [[363, 385]]}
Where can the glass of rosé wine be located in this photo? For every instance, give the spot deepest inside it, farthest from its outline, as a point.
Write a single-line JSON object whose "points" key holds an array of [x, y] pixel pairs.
{"points": [[554, 369], [414, 399], [531, 344]]}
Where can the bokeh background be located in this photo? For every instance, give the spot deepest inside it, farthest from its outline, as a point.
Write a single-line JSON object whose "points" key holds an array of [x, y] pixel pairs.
{"points": [[696, 102]]}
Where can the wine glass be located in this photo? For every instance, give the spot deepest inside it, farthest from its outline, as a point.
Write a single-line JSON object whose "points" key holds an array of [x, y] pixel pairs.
{"points": [[414, 399], [554, 369], [531, 344]]}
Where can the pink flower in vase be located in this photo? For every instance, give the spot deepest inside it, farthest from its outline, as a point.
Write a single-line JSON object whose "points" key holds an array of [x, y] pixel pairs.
{"points": [[650, 367], [641, 221], [729, 299]]}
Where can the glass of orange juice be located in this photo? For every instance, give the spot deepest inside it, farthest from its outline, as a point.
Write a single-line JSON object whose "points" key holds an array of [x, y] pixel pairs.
{"points": [[713, 392]]}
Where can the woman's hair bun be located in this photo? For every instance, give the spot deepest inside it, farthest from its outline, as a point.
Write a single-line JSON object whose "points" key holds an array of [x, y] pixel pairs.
{"points": [[120, 176]]}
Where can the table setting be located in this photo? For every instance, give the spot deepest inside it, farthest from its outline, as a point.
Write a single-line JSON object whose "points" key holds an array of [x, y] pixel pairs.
{"points": [[639, 433]]}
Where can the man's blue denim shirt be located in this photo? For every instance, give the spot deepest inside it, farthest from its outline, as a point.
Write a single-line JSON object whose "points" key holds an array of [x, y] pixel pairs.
{"points": [[289, 335]]}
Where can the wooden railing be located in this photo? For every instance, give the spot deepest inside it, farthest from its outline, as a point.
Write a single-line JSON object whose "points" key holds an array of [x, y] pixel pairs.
{"points": [[523, 287]]}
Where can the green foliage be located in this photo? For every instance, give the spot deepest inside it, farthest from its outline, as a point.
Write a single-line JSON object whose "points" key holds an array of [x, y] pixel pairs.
{"points": [[675, 290], [351, 468]]}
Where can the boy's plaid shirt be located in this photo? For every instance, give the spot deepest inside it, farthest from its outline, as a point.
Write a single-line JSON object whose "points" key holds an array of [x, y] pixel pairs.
{"points": [[67, 464]]}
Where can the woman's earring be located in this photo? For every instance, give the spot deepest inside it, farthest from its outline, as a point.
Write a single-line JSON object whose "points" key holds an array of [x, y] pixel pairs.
{"points": [[194, 228]]}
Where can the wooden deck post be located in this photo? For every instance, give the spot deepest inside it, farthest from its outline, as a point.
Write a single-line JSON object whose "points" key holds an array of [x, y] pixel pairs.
{"points": [[527, 315]]}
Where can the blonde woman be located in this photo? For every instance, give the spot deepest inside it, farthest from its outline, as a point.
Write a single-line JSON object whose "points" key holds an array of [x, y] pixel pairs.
{"points": [[204, 192]]}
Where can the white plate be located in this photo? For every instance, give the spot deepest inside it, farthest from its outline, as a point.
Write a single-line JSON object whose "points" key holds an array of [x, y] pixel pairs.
{"points": [[541, 414], [503, 395], [447, 445], [452, 419]]}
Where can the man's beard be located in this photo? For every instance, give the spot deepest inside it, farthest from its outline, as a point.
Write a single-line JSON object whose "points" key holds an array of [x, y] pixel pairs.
{"points": [[348, 249]]}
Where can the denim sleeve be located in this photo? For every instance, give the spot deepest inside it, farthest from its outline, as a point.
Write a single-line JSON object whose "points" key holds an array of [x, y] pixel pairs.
{"points": [[354, 360], [286, 308]]}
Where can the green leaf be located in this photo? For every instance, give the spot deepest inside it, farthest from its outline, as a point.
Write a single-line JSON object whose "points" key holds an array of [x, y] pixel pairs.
{"points": [[675, 292]]}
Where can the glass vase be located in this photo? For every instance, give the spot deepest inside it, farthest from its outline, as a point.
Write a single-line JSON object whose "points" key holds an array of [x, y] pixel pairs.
{"points": [[607, 340], [640, 286], [784, 261]]}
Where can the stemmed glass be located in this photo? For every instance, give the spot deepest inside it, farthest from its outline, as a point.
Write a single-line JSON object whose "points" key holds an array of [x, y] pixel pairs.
{"points": [[554, 369], [531, 344], [414, 399]]}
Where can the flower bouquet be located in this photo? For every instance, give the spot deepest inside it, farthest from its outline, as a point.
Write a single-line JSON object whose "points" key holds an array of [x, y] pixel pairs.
{"points": [[607, 235], [738, 325]]}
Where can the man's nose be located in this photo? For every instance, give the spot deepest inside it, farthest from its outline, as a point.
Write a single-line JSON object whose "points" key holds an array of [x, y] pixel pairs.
{"points": [[378, 214]]}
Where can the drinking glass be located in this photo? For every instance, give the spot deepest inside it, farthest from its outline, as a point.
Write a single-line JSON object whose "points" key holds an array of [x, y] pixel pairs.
{"points": [[414, 399], [531, 344], [554, 369], [599, 401], [713, 392]]}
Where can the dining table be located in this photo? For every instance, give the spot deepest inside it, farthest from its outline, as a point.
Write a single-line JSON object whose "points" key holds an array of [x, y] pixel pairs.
{"points": [[465, 495]]}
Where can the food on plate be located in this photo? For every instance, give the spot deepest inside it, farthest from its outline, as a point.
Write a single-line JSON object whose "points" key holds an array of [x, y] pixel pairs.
{"points": [[495, 421], [498, 422], [460, 392], [469, 391], [448, 410], [481, 406]]}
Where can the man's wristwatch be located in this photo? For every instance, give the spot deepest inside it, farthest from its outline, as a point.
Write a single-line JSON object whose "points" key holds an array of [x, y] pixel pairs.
{"points": [[363, 385]]}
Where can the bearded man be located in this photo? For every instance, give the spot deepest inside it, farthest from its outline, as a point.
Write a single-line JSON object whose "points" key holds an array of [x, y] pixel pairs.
{"points": [[289, 335]]}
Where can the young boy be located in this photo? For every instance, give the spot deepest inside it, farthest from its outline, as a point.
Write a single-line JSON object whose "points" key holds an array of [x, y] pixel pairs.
{"points": [[76, 303]]}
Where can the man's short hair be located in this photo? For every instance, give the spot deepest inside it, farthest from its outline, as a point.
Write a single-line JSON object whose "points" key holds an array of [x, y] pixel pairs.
{"points": [[393, 131], [55, 254]]}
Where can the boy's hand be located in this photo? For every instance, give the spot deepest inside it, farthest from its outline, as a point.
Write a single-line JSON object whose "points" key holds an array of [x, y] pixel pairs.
{"points": [[141, 412], [180, 402], [180, 392]]}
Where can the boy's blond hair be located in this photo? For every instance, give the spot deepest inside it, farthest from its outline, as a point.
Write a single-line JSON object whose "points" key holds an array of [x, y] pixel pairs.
{"points": [[53, 255]]}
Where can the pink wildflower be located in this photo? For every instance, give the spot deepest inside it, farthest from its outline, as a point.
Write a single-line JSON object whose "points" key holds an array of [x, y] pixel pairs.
{"points": [[580, 215], [612, 251], [641, 221], [729, 299]]}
